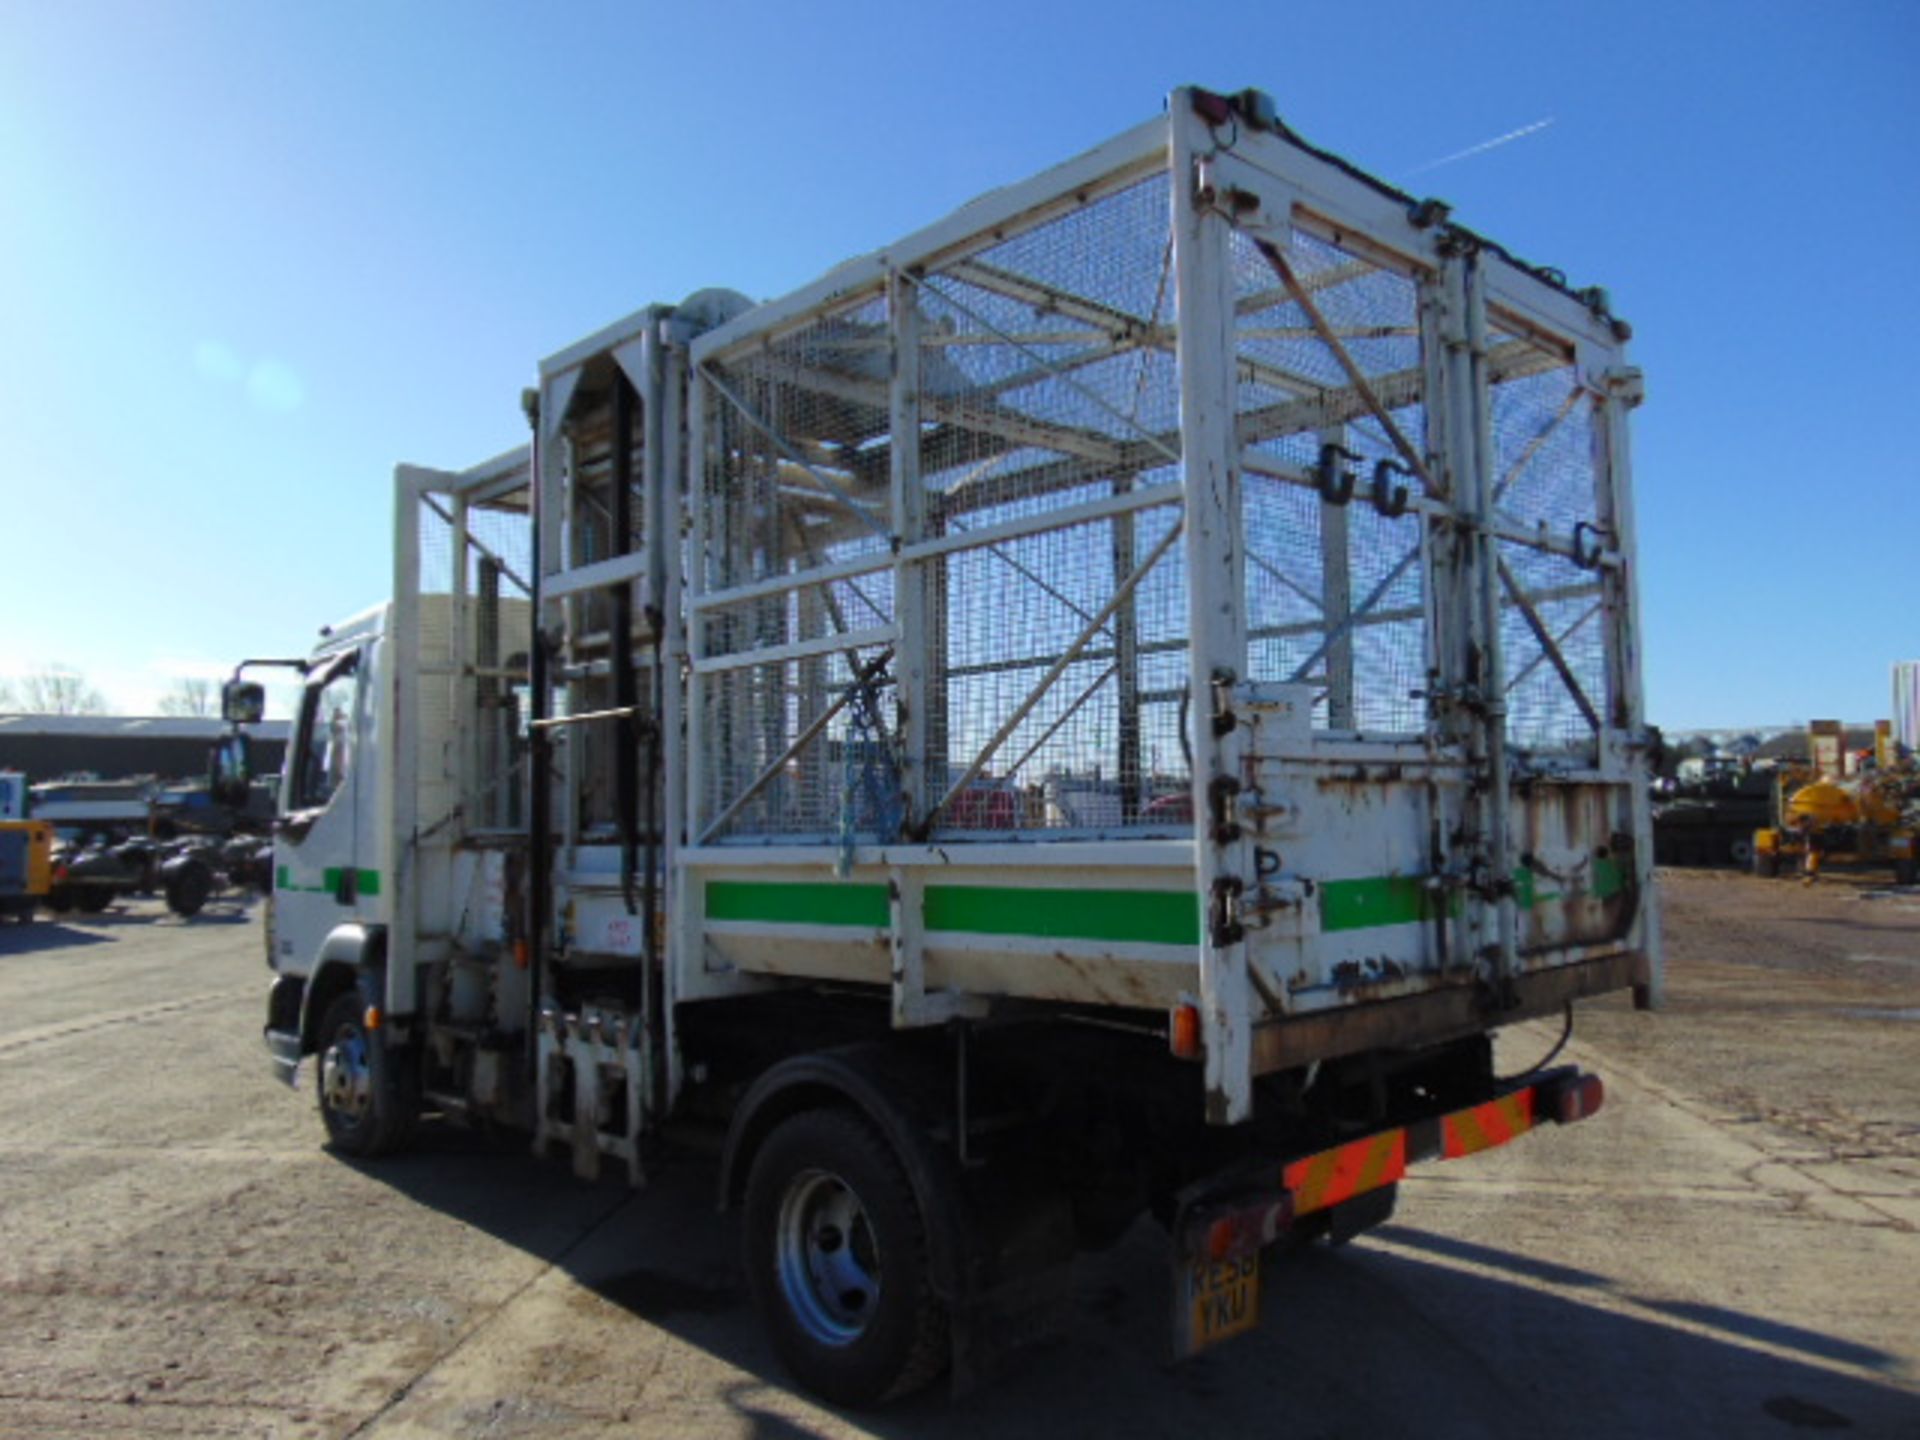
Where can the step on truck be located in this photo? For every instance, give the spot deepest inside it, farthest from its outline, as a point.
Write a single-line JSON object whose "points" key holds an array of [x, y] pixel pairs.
{"points": [[1098, 709]]}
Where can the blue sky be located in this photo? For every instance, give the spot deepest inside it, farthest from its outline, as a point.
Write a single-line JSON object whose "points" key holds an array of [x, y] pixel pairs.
{"points": [[252, 255]]}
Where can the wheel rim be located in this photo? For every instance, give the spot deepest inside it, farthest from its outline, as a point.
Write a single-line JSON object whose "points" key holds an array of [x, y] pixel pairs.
{"points": [[346, 1075], [827, 1258]]}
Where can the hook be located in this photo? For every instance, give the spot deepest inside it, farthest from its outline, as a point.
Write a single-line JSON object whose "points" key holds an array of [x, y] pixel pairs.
{"points": [[1389, 499], [1587, 558], [1336, 485]]}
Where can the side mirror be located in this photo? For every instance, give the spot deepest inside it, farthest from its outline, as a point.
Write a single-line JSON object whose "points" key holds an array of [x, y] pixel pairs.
{"points": [[242, 702], [230, 770]]}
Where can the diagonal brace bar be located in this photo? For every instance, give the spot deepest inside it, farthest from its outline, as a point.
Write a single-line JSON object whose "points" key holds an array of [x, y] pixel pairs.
{"points": [[1065, 715], [1055, 671], [478, 544], [1515, 470], [1359, 613], [863, 675], [1547, 645], [1355, 374], [825, 482], [1565, 635]]}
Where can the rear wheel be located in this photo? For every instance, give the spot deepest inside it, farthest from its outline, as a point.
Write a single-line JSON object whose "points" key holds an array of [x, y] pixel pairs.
{"points": [[836, 1253], [1903, 872], [366, 1102], [92, 899], [1766, 863]]}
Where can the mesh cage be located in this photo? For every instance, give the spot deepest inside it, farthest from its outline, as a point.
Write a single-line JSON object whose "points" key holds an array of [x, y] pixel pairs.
{"points": [[795, 489], [475, 563], [1546, 480], [1334, 587], [1054, 652], [990, 628]]}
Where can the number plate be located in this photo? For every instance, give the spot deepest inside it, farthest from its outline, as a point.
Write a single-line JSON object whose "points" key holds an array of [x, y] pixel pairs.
{"points": [[1223, 1300]]}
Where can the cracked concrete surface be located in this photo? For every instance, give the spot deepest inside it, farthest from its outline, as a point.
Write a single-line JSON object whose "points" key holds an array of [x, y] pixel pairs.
{"points": [[1729, 1248]]}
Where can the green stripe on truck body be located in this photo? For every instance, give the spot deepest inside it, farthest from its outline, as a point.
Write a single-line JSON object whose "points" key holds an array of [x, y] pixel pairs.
{"points": [[366, 882], [1380, 900], [1154, 917]]}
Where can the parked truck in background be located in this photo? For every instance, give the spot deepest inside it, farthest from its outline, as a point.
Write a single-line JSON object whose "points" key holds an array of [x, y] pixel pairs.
{"points": [[1100, 708]]}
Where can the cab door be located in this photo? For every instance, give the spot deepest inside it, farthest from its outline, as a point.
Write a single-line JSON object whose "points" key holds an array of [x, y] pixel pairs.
{"points": [[321, 877]]}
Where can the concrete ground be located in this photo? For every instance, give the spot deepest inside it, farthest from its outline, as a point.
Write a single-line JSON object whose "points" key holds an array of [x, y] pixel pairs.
{"points": [[1730, 1248]]}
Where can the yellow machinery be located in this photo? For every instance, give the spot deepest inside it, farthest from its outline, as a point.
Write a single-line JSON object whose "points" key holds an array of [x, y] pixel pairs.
{"points": [[26, 866], [26, 850], [1825, 810]]}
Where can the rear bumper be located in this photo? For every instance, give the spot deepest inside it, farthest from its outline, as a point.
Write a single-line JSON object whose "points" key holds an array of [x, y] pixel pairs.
{"points": [[1223, 1225]]}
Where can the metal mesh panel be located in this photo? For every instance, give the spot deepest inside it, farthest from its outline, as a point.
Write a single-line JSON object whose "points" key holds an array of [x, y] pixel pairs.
{"points": [[436, 555], [798, 472], [438, 561], [797, 481], [472, 655], [1047, 387], [1542, 709], [1334, 590], [1084, 753], [1047, 359], [1543, 445], [843, 784], [1545, 479], [1370, 310]]}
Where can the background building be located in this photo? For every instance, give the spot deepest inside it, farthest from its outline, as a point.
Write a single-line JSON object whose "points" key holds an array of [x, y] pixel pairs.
{"points": [[48, 747]]}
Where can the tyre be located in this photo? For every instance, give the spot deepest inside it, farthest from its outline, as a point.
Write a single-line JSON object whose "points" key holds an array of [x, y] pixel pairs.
{"points": [[60, 899], [836, 1254], [188, 887], [91, 899], [1903, 872], [1766, 864], [1740, 851], [367, 1101]]}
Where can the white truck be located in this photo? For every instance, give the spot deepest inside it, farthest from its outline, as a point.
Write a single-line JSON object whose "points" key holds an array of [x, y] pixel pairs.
{"points": [[1099, 708]]}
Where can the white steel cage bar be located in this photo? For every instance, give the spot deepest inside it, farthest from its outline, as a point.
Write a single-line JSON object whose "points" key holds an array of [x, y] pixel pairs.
{"points": [[1184, 489]]}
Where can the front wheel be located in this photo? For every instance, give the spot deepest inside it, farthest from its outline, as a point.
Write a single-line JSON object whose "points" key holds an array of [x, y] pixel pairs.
{"points": [[836, 1254], [365, 1102]]}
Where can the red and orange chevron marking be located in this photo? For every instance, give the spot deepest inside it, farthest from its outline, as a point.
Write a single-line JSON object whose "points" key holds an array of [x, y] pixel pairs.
{"points": [[1331, 1176], [1328, 1177], [1467, 1132]]}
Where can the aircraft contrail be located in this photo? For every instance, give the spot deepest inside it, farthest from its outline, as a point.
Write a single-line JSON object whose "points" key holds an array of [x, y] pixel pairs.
{"points": [[1484, 146]]}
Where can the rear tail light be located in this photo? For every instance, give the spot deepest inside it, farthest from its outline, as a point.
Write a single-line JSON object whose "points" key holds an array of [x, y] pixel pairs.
{"points": [[1576, 1099], [1183, 1036], [1236, 1231]]}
